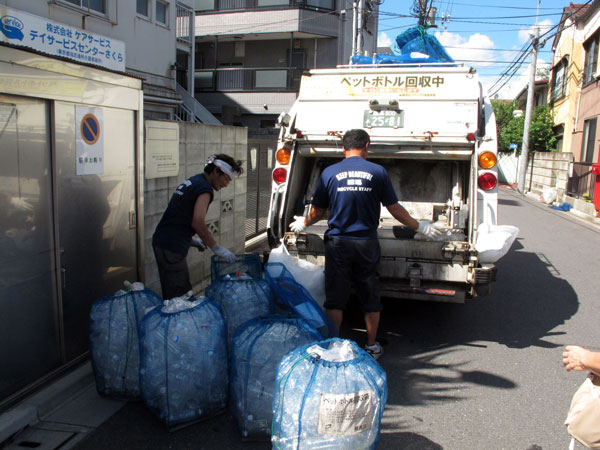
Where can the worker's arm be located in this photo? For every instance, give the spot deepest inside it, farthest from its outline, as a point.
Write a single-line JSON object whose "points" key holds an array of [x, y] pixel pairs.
{"points": [[579, 358], [199, 219], [300, 223], [402, 215]]}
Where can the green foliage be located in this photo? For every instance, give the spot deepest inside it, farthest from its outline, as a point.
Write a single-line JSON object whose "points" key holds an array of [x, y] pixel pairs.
{"points": [[510, 129]]}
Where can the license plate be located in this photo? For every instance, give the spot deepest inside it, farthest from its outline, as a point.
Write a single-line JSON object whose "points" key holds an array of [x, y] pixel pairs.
{"points": [[383, 119]]}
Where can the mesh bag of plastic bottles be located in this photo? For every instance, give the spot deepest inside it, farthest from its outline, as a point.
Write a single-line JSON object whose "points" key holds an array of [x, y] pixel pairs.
{"points": [[298, 299], [183, 360], [113, 339], [328, 395], [239, 290], [258, 347]]}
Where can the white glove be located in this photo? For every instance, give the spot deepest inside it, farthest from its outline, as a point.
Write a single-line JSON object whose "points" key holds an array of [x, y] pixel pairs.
{"points": [[429, 229], [297, 226], [223, 253], [198, 243]]}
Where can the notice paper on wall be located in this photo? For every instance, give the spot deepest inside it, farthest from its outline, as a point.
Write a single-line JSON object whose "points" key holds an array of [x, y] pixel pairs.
{"points": [[89, 140]]}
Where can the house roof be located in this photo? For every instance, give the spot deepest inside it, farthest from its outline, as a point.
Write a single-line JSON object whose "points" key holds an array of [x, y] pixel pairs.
{"points": [[574, 11], [538, 84]]}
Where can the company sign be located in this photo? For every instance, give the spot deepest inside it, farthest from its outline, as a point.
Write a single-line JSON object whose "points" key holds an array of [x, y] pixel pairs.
{"points": [[26, 30]]}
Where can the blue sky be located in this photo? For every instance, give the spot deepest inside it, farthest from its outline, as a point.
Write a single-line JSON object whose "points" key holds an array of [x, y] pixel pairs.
{"points": [[487, 34]]}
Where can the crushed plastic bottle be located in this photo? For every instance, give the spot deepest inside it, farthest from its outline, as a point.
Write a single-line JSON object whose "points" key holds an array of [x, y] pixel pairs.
{"points": [[113, 337], [183, 360], [258, 347], [328, 395]]}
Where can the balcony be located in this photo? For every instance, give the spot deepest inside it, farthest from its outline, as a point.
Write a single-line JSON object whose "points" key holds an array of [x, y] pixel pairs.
{"points": [[248, 80], [207, 6]]}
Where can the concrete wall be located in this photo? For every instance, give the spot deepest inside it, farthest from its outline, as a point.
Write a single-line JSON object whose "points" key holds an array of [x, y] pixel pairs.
{"points": [[227, 213], [547, 169]]}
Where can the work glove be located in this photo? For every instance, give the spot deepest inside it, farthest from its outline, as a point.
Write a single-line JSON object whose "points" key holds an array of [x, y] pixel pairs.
{"points": [[223, 253], [198, 243], [429, 229], [297, 226]]}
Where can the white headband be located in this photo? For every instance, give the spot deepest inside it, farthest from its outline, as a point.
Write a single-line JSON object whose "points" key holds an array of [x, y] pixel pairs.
{"points": [[225, 167]]}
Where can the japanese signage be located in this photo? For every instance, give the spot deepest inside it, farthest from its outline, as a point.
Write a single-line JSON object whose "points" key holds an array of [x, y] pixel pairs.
{"points": [[162, 149], [417, 84], [89, 141], [26, 30]]}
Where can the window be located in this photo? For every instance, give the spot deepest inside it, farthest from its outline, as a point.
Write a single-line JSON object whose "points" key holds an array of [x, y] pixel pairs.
{"points": [[161, 12], [559, 80], [204, 5], [589, 138], [142, 7], [94, 5], [591, 59]]}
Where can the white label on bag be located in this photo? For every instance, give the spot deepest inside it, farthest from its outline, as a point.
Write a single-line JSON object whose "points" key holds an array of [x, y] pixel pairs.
{"points": [[345, 414]]}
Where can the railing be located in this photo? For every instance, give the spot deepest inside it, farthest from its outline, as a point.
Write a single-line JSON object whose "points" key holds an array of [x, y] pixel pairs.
{"points": [[203, 6], [581, 182], [185, 24], [243, 79]]}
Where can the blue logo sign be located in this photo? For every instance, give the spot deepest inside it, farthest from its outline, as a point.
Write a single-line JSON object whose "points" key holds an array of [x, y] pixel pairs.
{"points": [[11, 27], [513, 146]]}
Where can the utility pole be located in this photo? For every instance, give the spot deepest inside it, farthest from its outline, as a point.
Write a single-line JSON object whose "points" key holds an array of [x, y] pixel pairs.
{"points": [[524, 159]]}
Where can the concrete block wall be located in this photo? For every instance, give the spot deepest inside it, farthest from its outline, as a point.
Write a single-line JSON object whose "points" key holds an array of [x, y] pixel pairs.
{"points": [[226, 215], [548, 169]]}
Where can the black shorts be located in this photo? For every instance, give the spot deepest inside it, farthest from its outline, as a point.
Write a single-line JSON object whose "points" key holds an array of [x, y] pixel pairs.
{"points": [[173, 272], [348, 263]]}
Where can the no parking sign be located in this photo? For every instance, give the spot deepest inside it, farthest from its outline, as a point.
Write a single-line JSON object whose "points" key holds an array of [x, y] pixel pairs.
{"points": [[89, 141]]}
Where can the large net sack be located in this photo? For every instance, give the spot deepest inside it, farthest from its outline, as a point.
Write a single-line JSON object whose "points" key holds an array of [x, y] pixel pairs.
{"points": [[258, 347], [328, 395], [183, 360], [113, 339], [239, 290], [296, 298]]}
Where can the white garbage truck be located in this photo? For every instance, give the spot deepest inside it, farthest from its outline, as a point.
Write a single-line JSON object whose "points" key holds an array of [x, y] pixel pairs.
{"points": [[435, 133]]}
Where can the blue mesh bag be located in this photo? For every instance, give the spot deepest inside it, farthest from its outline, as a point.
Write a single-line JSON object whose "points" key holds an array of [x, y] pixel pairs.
{"points": [[239, 290], [183, 360], [298, 299], [258, 347], [113, 339], [328, 395], [416, 39]]}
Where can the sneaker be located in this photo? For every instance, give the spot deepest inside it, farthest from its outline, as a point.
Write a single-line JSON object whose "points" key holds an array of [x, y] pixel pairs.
{"points": [[375, 350]]}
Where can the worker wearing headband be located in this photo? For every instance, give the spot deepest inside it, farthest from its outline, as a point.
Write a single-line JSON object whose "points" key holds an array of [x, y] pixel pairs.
{"points": [[183, 224]]}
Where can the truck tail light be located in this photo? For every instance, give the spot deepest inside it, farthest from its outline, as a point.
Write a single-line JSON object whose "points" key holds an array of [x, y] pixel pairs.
{"points": [[283, 156], [471, 137], [487, 181], [487, 160], [299, 134], [279, 175]]}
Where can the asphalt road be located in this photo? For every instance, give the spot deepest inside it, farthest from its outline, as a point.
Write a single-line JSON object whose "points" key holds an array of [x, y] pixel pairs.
{"points": [[484, 375]]}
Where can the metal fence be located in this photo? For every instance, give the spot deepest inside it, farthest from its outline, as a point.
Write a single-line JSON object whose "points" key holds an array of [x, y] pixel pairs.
{"points": [[260, 163], [248, 79], [581, 182]]}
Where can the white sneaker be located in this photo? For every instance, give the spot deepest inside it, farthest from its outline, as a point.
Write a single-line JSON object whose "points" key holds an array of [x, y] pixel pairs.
{"points": [[375, 350]]}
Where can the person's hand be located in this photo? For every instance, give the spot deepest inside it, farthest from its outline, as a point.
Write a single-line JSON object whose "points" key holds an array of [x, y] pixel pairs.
{"points": [[429, 229], [198, 243], [223, 253], [573, 357], [297, 226]]}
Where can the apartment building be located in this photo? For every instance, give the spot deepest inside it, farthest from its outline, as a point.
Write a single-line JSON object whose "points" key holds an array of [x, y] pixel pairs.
{"points": [[250, 54]]}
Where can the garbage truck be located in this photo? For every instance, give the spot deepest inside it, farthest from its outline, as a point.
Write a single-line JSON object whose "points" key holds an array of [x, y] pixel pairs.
{"points": [[434, 132]]}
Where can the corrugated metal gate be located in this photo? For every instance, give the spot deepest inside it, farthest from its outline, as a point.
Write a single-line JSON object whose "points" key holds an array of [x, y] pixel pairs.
{"points": [[261, 159]]}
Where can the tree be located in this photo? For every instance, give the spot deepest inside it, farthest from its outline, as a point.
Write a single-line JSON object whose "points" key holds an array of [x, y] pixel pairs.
{"points": [[510, 129], [503, 109]]}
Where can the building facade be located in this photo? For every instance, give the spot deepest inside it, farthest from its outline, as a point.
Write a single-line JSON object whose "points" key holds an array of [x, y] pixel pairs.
{"points": [[250, 55]]}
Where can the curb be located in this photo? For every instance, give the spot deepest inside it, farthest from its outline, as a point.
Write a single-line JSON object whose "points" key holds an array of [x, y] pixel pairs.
{"points": [[33, 409]]}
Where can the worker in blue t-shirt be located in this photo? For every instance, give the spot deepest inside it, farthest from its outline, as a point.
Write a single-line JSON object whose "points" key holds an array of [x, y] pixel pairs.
{"points": [[183, 224], [354, 190]]}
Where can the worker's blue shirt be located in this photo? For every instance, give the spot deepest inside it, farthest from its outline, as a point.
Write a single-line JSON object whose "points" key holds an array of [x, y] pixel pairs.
{"points": [[174, 231], [354, 190]]}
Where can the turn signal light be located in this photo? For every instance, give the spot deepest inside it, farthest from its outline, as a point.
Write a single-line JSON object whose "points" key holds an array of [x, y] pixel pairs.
{"points": [[283, 156], [487, 160], [487, 181], [279, 175], [471, 137]]}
